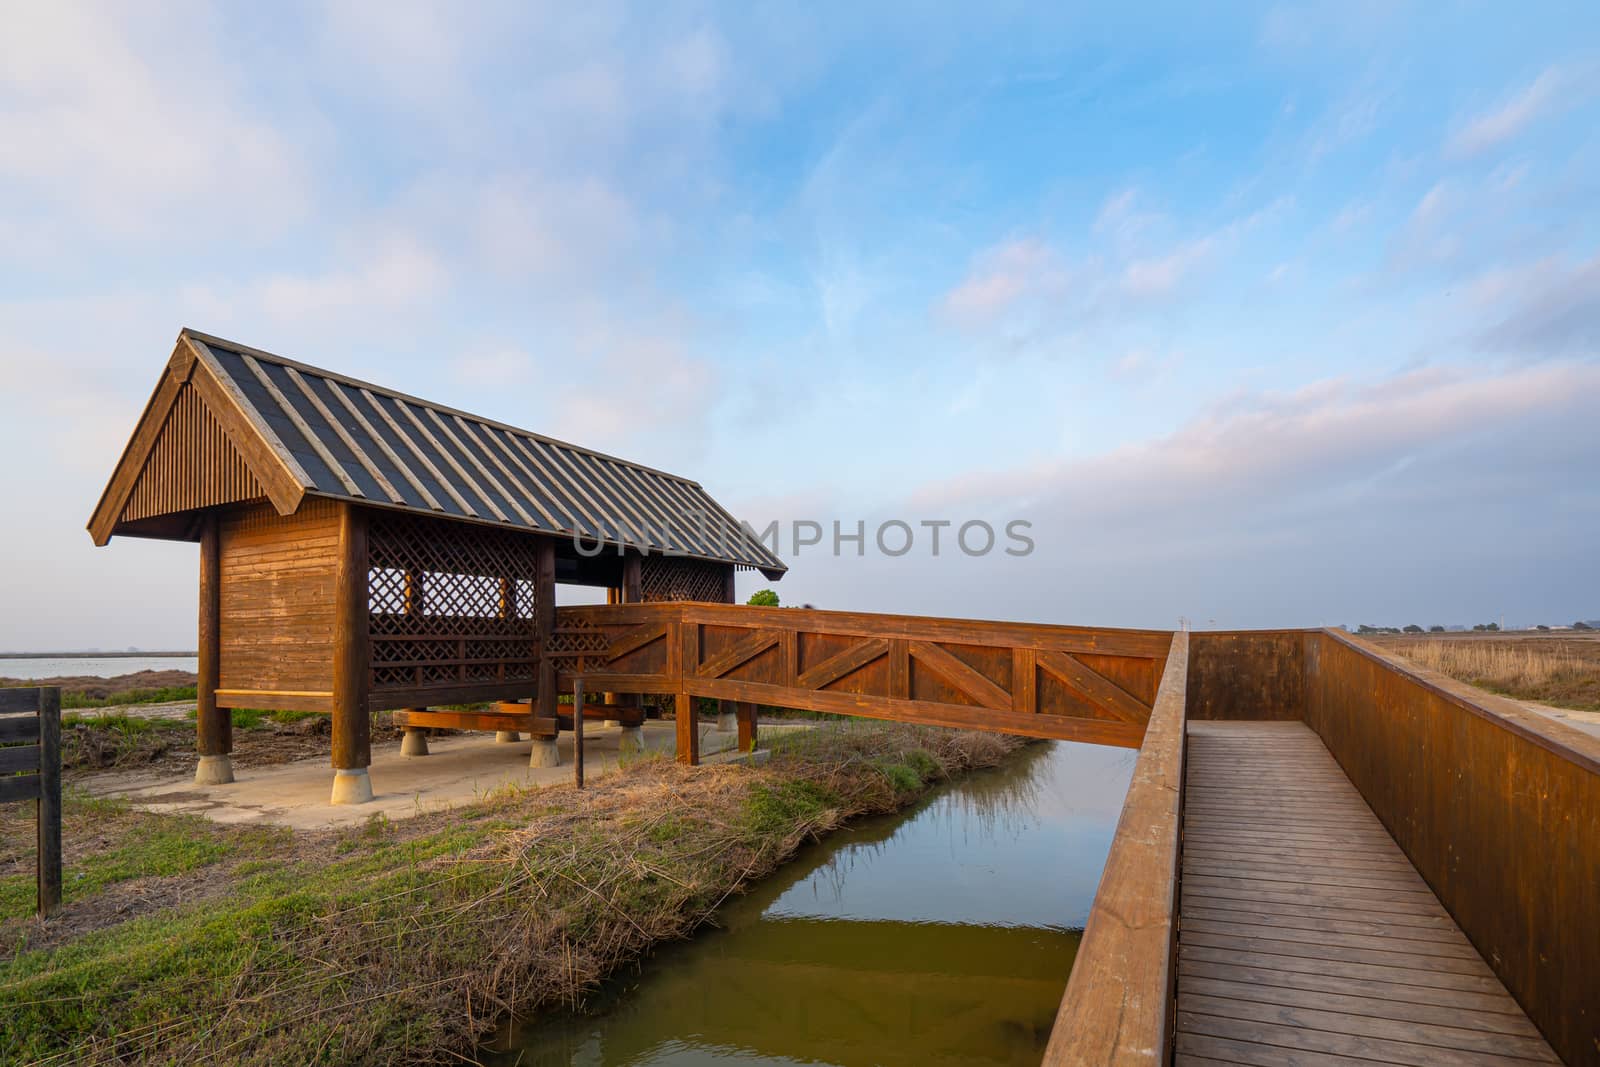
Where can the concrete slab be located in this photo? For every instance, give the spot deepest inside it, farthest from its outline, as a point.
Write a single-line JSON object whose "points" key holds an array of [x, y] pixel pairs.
{"points": [[461, 769]]}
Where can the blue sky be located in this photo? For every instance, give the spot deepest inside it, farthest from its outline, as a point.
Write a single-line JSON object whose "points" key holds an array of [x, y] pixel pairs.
{"points": [[1285, 315]]}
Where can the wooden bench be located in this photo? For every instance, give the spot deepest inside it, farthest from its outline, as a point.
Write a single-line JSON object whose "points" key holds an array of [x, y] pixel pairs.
{"points": [[515, 715]]}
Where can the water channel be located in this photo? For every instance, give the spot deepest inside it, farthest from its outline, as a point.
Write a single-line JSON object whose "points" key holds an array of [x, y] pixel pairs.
{"points": [[940, 935]]}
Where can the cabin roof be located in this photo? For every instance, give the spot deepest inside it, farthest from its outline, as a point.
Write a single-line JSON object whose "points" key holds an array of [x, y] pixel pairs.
{"points": [[303, 431]]}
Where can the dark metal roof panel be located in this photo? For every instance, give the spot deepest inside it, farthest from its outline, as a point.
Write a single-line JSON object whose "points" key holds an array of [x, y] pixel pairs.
{"points": [[360, 441]]}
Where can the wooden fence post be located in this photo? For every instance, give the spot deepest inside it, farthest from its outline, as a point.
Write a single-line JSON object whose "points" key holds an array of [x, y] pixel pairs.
{"points": [[30, 769], [49, 810], [577, 731]]}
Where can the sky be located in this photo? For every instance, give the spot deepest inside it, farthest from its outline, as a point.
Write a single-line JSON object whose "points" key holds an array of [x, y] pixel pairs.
{"points": [[1278, 315]]}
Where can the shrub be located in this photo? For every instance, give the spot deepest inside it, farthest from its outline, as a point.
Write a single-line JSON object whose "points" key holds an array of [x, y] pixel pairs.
{"points": [[764, 598]]}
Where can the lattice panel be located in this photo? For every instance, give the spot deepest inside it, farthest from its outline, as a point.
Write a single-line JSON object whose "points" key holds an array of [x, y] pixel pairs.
{"points": [[673, 578], [449, 603], [578, 645]]}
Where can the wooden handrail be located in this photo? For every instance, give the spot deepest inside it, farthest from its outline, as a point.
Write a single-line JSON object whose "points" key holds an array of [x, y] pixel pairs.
{"points": [[1118, 1006], [1060, 682]]}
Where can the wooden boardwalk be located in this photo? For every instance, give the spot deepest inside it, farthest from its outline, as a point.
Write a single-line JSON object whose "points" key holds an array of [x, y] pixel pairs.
{"points": [[1306, 936]]}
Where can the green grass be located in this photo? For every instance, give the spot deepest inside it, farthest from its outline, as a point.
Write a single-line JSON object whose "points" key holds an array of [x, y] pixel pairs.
{"points": [[121, 723], [129, 844], [397, 942], [166, 695], [769, 808]]}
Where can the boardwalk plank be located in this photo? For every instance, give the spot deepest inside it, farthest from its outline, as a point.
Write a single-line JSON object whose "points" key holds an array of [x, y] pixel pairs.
{"points": [[1307, 936]]}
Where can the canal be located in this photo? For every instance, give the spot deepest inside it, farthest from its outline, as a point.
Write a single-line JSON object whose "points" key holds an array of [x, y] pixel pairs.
{"points": [[940, 935]]}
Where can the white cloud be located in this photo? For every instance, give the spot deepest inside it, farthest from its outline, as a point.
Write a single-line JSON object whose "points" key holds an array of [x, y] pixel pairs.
{"points": [[1550, 307], [554, 229], [1120, 220], [1494, 128], [1258, 445], [494, 367], [1340, 502], [1351, 216], [1003, 275], [398, 274], [1028, 277], [1161, 275], [1430, 234], [125, 122]]}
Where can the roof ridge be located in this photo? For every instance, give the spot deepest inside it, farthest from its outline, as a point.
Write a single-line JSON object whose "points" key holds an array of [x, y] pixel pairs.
{"points": [[395, 394]]}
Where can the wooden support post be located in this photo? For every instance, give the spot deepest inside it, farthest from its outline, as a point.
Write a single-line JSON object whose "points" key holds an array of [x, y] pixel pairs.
{"points": [[683, 659], [352, 744], [728, 710], [631, 591], [49, 807], [577, 732], [213, 725], [632, 586], [544, 607], [613, 596], [688, 730], [747, 726]]}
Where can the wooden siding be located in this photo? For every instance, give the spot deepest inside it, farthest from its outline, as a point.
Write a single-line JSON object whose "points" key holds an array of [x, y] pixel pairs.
{"points": [[277, 606], [1118, 1003], [192, 465], [1498, 808]]}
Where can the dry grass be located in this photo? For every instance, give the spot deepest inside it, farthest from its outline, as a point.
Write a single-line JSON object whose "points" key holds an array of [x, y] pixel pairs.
{"points": [[406, 943], [1561, 671]]}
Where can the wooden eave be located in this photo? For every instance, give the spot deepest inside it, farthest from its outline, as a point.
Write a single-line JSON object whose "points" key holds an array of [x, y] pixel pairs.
{"points": [[193, 365]]}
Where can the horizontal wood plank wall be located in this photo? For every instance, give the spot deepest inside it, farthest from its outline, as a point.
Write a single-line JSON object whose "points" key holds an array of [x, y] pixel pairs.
{"points": [[1497, 807], [1252, 675], [1118, 1007], [277, 618]]}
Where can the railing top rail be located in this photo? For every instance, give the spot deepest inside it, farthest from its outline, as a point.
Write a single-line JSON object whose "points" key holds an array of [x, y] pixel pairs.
{"points": [[1555, 737], [1151, 644], [1118, 1004]]}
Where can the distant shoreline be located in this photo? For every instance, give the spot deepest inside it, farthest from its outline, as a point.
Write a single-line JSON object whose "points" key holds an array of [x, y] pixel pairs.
{"points": [[97, 655]]}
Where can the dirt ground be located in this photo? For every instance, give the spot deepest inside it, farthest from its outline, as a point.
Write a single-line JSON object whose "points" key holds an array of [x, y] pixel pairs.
{"points": [[169, 744]]}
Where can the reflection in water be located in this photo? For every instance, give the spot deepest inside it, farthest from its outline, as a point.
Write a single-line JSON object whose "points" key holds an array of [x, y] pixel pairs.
{"points": [[943, 934]]}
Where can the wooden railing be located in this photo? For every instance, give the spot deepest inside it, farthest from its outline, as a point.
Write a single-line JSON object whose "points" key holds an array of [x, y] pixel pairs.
{"points": [[1058, 682], [1497, 806], [1118, 1007]]}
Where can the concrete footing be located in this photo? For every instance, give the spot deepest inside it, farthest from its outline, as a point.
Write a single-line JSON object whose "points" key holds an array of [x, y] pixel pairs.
{"points": [[351, 787], [214, 770], [506, 737], [727, 722], [631, 739], [414, 742], [545, 753]]}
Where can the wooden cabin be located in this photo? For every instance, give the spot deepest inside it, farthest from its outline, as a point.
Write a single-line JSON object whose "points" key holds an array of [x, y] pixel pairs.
{"points": [[362, 550]]}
